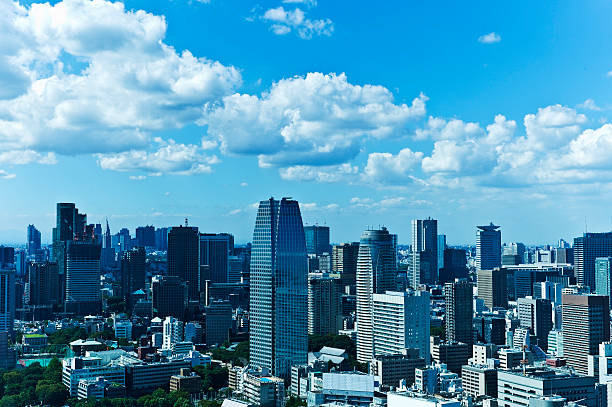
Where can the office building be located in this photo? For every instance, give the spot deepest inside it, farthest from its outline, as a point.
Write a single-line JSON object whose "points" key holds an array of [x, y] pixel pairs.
{"points": [[424, 255], [184, 258], [161, 239], [535, 314], [324, 304], [344, 262], [33, 240], [145, 236], [586, 324], [214, 253], [345, 388], [459, 300], [493, 288], [488, 247], [133, 272], [263, 390], [7, 301], [234, 269], [453, 354], [218, 322], [172, 332], [107, 252], [455, 265], [401, 320], [279, 288], [479, 380], [376, 270], [393, 368], [515, 388], [317, 239], [602, 277], [83, 294], [186, 381], [43, 284], [441, 248], [169, 296], [77, 369], [587, 248]]}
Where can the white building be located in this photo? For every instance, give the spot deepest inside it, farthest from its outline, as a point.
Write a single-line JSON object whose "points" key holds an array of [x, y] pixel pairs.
{"points": [[400, 321], [123, 329], [409, 399], [172, 331], [87, 368]]}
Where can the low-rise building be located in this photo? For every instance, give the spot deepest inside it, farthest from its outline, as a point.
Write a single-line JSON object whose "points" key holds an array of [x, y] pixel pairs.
{"points": [[394, 368], [479, 380], [34, 342], [186, 381], [345, 388], [452, 354], [86, 368], [263, 390]]}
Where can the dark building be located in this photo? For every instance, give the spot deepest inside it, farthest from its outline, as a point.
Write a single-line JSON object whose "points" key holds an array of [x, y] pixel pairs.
{"points": [[587, 248], [459, 311], [83, 294], [453, 354], [218, 322], [586, 324], [161, 239], [214, 253], [564, 255], [493, 288], [489, 329], [244, 254], [344, 262], [7, 255], [455, 265], [169, 295], [33, 244], [43, 286], [317, 239], [133, 271], [184, 258], [536, 315], [393, 368], [424, 256], [145, 236], [488, 247]]}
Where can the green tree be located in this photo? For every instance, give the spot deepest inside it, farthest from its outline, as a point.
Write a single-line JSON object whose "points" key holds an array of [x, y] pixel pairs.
{"points": [[295, 402], [53, 371], [52, 393], [213, 376]]}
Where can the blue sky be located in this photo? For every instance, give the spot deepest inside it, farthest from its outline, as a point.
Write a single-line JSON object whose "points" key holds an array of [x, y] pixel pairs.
{"points": [[368, 113]]}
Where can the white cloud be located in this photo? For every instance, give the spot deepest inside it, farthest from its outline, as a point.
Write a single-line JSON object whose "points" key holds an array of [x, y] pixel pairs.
{"points": [[589, 104], [6, 175], [441, 129], [552, 126], [333, 173], [311, 3], [96, 78], [314, 120], [285, 21], [170, 158], [389, 168], [489, 38]]}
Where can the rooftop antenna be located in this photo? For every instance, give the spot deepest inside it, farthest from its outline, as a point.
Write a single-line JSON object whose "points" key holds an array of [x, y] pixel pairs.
{"points": [[586, 229], [186, 222]]}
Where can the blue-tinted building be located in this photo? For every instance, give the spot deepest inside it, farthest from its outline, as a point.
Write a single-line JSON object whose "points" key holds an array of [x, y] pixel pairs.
{"points": [[279, 288], [587, 248], [317, 239], [488, 247], [602, 276]]}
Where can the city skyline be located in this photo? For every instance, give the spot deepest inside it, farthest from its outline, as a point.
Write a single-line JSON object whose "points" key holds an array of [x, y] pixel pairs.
{"points": [[482, 125]]}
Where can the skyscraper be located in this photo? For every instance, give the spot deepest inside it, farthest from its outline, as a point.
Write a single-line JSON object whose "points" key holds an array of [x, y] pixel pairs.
{"points": [[586, 324], [376, 271], [488, 247], [455, 265], [317, 239], [401, 321], [441, 248], [132, 270], [424, 255], [43, 286], [83, 277], [344, 262], [536, 315], [586, 249], [33, 244], [184, 258], [459, 311], [107, 253], [493, 288], [161, 239], [169, 296], [279, 293], [145, 236], [324, 304], [7, 301], [214, 252], [603, 278]]}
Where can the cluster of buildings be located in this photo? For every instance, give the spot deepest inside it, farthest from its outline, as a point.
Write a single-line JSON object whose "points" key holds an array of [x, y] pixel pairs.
{"points": [[486, 325]]}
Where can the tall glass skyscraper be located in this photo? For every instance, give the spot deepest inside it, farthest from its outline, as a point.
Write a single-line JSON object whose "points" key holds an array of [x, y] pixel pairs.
{"points": [[317, 239], [376, 270], [424, 266], [488, 247], [279, 288]]}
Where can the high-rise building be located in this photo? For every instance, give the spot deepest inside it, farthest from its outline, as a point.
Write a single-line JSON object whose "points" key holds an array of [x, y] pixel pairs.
{"points": [[7, 301], [536, 314], [43, 287], [493, 287], [279, 288], [107, 253], [218, 322], [7, 255], [169, 296], [459, 300], [587, 248], [441, 248], [488, 247], [324, 304], [317, 239], [133, 272], [424, 256], [513, 254], [184, 258], [33, 244], [586, 324], [145, 236], [172, 332], [83, 294], [161, 239], [401, 321], [344, 261], [214, 252], [455, 265], [603, 278], [376, 272]]}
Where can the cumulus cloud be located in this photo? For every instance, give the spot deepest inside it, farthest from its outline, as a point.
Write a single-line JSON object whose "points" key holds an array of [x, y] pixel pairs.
{"points": [[93, 77], [313, 120], [169, 158], [489, 38], [332, 173], [589, 104], [285, 21], [389, 168]]}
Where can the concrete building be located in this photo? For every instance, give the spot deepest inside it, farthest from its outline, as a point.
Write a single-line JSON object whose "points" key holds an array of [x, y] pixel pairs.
{"points": [[391, 369], [218, 322], [186, 381], [586, 324], [479, 380], [123, 329], [401, 320], [515, 388], [172, 331], [345, 388], [169, 296], [535, 314], [86, 368], [452, 354], [488, 247], [493, 287], [424, 256], [324, 304], [410, 399], [264, 391], [459, 296], [344, 262]]}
